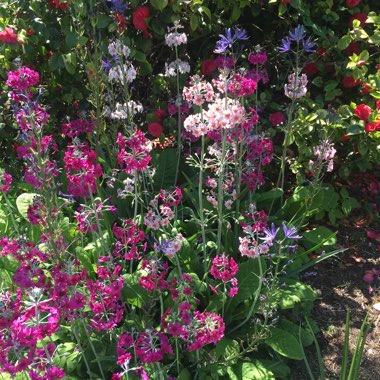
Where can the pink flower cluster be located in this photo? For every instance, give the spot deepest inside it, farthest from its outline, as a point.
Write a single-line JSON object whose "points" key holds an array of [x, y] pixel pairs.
{"points": [[32, 117], [77, 127], [134, 152], [160, 211], [82, 169], [6, 181], [221, 114], [131, 243], [224, 269], [260, 153], [22, 79]]}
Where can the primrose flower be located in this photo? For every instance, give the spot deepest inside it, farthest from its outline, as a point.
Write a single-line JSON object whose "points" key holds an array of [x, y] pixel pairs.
{"points": [[231, 36], [174, 38], [296, 87], [177, 66]]}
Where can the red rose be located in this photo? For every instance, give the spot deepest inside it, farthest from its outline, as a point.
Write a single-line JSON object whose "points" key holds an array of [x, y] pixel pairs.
{"points": [[344, 138], [352, 48], [321, 52], [139, 17], [277, 118], [362, 17], [160, 113], [155, 129], [372, 127], [8, 36], [310, 69], [378, 105], [208, 67], [366, 89], [350, 82], [58, 4], [121, 22], [285, 2], [362, 111], [352, 3]]}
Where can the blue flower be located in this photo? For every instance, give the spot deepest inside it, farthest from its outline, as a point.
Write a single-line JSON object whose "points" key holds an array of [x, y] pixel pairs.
{"points": [[285, 47], [271, 234], [290, 232], [117, 5], [298, 33], [107, 65], [308, 45], [226, 41]]}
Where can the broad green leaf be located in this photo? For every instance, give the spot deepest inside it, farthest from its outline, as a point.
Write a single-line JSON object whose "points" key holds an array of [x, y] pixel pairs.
{"points": [[295, 330], [165, 163], [254, 370], [159, 4], [103, 21], [285, 344], [344, 42], [248, 279], [318, 234]]}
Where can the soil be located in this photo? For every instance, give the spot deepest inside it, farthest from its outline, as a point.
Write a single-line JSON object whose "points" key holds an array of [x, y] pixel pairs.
{"points": [[339, 284]]}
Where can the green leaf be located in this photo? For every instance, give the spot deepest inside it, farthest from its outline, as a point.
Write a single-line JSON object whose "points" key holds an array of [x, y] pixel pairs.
{"points": [[133, 292], [165, 163], [254, 370], [194, 22], [70, 61], [295, 330], [103, 21], [343, 42], [56, 62], [184, 375], [318, 234], [71, 39], [285, 344], [348, 204], [85, 258], [159, 4], [23, 202], [248, 279], [294, 292]]}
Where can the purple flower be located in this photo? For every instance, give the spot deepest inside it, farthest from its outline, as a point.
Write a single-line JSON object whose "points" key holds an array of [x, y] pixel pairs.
{"points": [[226, 41], [290, 232], [298, 36], [308, 45], [271, 234], [298, 33], [107, 65], [285, 47], [117, 5]]}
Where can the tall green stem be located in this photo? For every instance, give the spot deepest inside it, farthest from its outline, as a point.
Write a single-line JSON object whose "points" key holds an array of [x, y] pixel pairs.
{"points": [[201, 210], [220, 190]]}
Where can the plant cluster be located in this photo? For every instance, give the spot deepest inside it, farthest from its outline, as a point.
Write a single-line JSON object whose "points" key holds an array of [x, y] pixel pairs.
{"points": [[155, 207]]}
